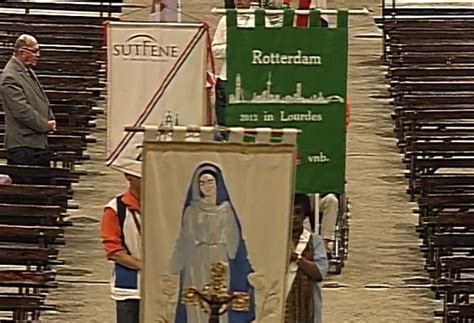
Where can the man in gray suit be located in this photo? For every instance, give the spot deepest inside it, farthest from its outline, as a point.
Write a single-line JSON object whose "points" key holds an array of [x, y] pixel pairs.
{"points": [[28, 117]]}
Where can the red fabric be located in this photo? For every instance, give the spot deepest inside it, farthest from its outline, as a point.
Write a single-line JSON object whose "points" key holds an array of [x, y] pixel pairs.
{"points": [[130, 201], [302, 20], [210, 80], [110, 228]]}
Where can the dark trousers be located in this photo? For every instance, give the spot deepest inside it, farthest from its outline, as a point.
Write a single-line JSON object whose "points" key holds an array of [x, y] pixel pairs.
{"points": [[222, 100], [128, 311], [29, 157]]}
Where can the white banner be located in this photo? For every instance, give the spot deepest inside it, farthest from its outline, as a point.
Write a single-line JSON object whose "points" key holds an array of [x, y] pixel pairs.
{"points": [[215, 202], [156, 73]]}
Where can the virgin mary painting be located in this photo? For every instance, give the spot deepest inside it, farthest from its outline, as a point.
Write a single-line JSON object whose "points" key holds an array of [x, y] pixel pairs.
{"points": [[210, 232]]}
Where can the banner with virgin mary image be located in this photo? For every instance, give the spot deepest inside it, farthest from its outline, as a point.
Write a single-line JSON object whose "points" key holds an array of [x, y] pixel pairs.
{"points": [[210, 203]]}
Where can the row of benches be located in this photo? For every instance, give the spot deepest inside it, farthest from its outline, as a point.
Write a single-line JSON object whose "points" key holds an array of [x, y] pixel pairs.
{"points": [[429, 59], [32, 217], [32, 221]]}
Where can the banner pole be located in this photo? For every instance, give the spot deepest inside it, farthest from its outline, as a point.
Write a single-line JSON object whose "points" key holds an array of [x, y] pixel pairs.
{"points": [[316, 214], [191, 129], [363, 11]]}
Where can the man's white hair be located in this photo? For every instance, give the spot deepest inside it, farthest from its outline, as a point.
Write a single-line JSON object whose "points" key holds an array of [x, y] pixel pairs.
{"points": [[22, 41]]}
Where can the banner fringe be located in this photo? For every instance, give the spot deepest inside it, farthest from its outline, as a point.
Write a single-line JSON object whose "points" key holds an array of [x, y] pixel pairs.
{"points": [[211, 134]]}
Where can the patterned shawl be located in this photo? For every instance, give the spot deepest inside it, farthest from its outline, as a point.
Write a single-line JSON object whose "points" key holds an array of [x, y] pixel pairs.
{"points": [[299, 303]]}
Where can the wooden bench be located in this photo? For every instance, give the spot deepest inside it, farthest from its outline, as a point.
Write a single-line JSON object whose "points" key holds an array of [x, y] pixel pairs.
{"points": [[69, 68], [422, 19], [454, 290], [30, 244], [104, 8], [25, 308], [28, 279], [66, 120], [444, 221], [71, 72], [53, 34], [64, 159], [460, 220], [27, 256], [60, 142], [36, 195], [57, 176], [434, 123], [45, 235], [429, 157], [456, 312], [417, 72], [43, 175], [99, 6], [445, 200], [444, 244], [24, 214], [12, 302], [430, 57], [453, 265], [463, 85]]}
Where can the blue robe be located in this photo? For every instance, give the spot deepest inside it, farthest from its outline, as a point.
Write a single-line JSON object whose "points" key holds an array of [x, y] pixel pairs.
{"points": [[210, 233]]}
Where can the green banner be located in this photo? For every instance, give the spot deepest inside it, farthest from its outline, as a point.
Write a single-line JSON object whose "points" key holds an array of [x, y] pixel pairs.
{"points": [[287, 77]]}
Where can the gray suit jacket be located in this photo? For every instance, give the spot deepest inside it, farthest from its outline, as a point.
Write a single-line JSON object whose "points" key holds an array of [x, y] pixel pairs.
{"points": [[26, 108]]}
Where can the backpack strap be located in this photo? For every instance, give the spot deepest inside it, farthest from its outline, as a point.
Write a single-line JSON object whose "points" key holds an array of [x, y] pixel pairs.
{"points": [[121, 214]]}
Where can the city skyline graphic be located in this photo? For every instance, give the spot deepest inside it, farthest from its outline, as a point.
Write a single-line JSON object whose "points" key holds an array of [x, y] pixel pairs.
{"points": [[266, 96]]}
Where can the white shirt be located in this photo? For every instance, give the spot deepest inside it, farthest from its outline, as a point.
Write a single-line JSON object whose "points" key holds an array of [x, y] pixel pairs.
{"points": [[219, 43], [132, 239]]}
